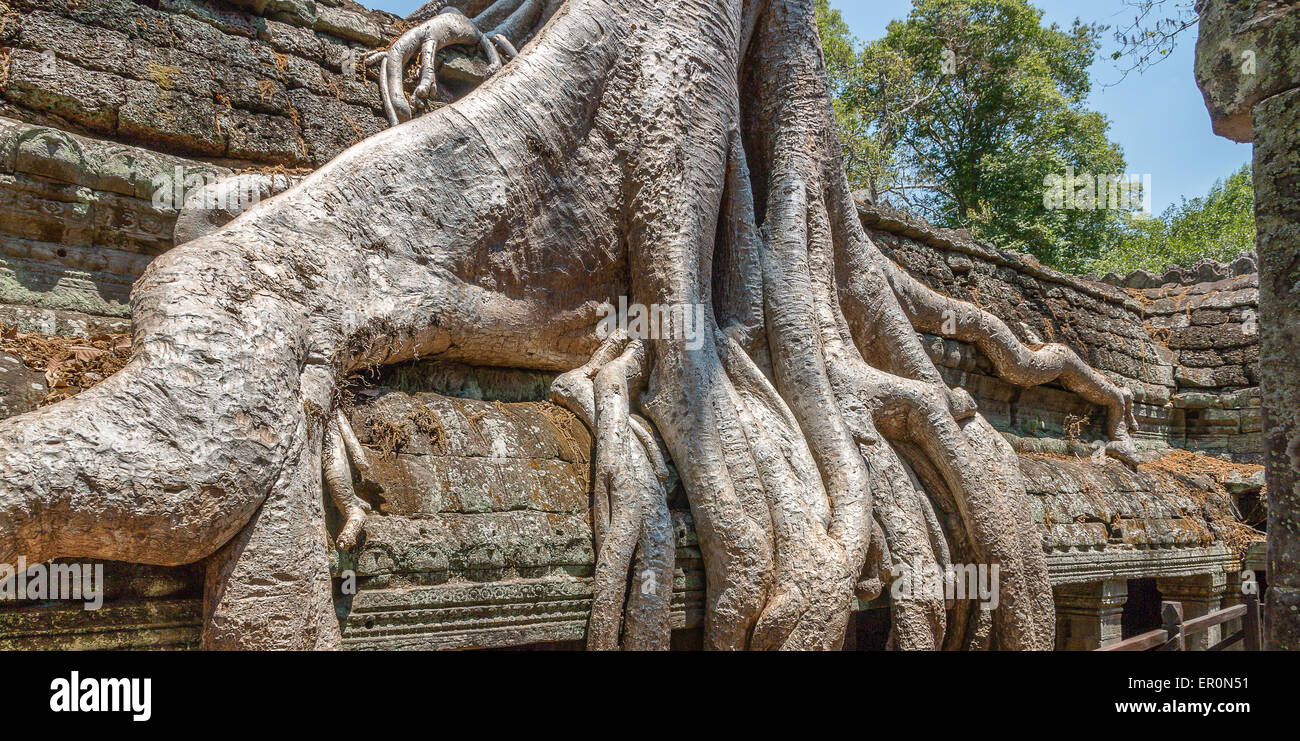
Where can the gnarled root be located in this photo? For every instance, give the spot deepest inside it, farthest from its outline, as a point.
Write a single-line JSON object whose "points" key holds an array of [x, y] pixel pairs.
{"points": [[823, 296], [166, 460], [499, 29], [937, 314], [927, 446], [447, 28], [940, 455], [803, 388], [214, 205], [630, 510], [978, 476], [341, 449], [270, 586]]}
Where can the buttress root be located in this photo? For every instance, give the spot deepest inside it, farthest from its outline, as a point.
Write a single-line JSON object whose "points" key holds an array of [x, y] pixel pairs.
{"points": [[633, 531], [342, 451]]}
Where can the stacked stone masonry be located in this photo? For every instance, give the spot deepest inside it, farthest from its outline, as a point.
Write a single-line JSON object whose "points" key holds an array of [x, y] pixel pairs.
{"points": [[1189, 352], [247, 83]]}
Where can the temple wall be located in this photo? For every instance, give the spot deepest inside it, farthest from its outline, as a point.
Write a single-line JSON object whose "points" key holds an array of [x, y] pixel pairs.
{"points": [[1188, 349], [1210, 332], [242, 83], [483, 534], [79, 219], [111, 111]]}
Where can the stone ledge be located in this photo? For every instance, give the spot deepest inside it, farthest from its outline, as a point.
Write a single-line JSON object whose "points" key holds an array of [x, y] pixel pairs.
{"points": [[204, 79], [61, 323], [886, 219], [1203, 271], [459, 616], [79, 220], [1072, 567], [467, 615], [150, 624]]}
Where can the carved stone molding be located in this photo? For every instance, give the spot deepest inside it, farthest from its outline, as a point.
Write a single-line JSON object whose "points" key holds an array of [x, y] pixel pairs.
{"points": [[1073, 567]]}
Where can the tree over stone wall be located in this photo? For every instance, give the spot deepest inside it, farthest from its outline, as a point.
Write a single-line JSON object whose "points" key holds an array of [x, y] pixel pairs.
{"points": [[682, 159]]}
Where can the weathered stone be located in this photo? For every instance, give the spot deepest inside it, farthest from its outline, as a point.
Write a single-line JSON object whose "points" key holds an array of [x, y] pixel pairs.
{"points": [[1260, 99], [1238, 484], [1209, 317], [1203, 338], [1277, 168], [1245, 53], [1244, 265], [1208, 271], [1141, 279], [283, 84], [485, 498], [1089, 616], [1222, 376], [21, 388], [80, 218]]}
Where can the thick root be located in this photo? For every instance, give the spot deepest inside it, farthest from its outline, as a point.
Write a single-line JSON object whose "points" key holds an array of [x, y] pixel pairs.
{"points": [[269, 588], [909, 551], [447, 28], [630, 512], [338, 453], [165, 461], [980, 475], [679, 167], [947, 317]]}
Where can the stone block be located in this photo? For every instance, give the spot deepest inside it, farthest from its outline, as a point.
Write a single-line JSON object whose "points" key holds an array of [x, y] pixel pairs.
{"points": [[21, 388]]}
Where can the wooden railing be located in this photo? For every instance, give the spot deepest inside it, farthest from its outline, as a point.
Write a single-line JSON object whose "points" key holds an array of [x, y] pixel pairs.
{"points": [[1173, 637]]}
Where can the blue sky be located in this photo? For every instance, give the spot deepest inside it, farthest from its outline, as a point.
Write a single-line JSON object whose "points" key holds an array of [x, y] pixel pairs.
{"points": [[1157, 117]]}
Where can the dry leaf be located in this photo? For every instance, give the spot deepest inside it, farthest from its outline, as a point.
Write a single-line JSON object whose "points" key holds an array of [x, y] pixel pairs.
{"points": [[83, 353]]}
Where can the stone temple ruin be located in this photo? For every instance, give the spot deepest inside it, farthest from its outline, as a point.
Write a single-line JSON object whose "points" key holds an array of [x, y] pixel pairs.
{"points": [[112, 109]]}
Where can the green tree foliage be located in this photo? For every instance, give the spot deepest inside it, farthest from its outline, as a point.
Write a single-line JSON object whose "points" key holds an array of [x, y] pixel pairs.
{"points": [[963, 112], [874, 91], [1220, 226]]}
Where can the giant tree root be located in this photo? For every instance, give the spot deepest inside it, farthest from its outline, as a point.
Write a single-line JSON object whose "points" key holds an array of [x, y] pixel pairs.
{"points": [[630, 520], [945, 316], [498, 29], [341, 449]]}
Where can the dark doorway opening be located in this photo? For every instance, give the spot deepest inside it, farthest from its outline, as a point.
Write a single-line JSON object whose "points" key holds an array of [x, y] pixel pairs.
{"points": [[1142, 609]]}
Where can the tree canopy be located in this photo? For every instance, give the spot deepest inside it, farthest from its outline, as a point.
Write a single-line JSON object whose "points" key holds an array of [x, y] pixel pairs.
{"points": [[969, 113], [1220, 226], [962, 113]]}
